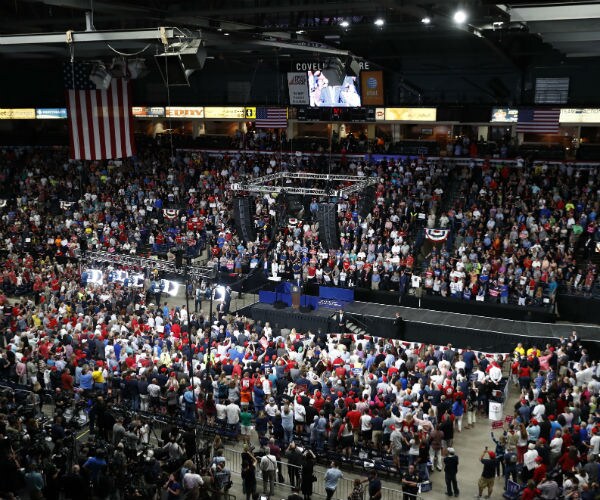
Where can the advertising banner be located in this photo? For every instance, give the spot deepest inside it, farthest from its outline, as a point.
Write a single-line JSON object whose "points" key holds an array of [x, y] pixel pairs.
{"points": [[50, 113], [298, 88], [371, 88]]}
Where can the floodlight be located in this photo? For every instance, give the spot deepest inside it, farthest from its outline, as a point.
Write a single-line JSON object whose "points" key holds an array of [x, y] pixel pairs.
{"points": [[460, 16]]}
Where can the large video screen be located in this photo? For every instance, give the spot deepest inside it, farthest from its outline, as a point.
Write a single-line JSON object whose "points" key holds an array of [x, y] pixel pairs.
{"points": [[327, 89]]}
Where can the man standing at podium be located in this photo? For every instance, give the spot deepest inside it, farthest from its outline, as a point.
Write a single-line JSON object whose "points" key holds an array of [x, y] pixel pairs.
{"points": [[340, 319]]}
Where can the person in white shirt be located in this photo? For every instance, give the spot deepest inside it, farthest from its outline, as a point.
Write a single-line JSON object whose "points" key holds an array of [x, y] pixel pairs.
{"points": [[529, 457], [595, 443], [191, 480], [460, 364], [221, 412], [366, 429], [299, 415], [539, 409], [233, 414], [555, 448]]}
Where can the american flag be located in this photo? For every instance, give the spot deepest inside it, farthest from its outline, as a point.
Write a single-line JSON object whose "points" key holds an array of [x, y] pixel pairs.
{"points": [[100, 121], [271, 118], [538, 121]]}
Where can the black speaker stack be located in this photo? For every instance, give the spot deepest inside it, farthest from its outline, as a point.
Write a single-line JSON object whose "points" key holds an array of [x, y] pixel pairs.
{"points": [[244, 220], [328, 227]]}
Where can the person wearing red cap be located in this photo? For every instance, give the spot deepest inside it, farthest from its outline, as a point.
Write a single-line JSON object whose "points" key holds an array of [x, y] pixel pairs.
{"points": [[488, 475], [540, 470]]}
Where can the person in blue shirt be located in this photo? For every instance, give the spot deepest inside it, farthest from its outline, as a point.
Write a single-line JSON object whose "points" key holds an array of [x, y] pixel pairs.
{"points": [[86, 381], [96, 465], [332, 477]]}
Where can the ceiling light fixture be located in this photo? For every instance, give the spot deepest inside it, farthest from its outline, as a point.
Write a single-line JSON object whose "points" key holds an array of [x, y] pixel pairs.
{"points": [[344, 24], [379, 22], [300, 32], [426, 20], [460, 16]]}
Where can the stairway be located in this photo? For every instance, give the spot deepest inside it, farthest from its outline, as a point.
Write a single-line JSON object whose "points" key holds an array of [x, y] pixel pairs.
{"points": [[355, 328]]}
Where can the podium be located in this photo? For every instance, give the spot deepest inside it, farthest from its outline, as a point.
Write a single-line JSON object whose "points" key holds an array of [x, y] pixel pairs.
{"points": [[296, 295]]}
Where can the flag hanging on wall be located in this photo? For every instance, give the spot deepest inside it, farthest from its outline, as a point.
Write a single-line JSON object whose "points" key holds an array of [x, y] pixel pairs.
{"points": [[538, 121], [271, 118], [100, 120], [436, 234]]}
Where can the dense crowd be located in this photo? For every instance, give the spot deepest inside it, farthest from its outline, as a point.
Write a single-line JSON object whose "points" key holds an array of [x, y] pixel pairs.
{"points": [[513, 233], [105, 350], [401, 404]]}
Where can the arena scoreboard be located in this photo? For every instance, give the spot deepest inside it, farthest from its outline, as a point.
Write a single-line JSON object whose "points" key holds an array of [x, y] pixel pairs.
{"points": [[335, 114]]}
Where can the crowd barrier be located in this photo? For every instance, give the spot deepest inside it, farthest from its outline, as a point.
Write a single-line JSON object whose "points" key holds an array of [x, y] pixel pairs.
{"points": [[343, 491]]}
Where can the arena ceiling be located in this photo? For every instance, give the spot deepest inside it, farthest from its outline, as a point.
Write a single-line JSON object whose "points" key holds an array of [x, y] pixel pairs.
{"points": [[496, 38]]}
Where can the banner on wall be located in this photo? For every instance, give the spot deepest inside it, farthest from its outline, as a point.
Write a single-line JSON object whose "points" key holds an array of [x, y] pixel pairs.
{"points": [[225, 112], [184, 112], [17, 113], [50, 113], [298, 88], [411, 114], [149, 112], [580, 115], [371, 85]]}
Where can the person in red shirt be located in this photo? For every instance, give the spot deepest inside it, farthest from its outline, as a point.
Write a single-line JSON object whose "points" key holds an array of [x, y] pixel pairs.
{"points": [[540, 470], [524, 376], [354, 417], [530, 492], [66, 380], [569, 459]]}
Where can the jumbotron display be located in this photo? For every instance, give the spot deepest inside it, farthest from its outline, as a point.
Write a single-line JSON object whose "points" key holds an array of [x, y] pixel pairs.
{"points": [[326, 90]]}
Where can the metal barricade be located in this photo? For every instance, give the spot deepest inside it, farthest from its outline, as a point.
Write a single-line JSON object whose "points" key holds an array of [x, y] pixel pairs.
{"points": [[344, 487]]}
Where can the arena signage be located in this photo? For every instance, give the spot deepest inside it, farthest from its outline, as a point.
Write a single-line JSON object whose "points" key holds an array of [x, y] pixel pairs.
{"points": [[17, 113], [581, 115], [185, 112], [320, 65], [410, 114], [226, 113], [148, 112], [50, 113]]}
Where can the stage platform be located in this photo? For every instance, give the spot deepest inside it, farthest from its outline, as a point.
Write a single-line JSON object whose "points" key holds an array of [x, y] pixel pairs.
{"points": [[435, 327]]}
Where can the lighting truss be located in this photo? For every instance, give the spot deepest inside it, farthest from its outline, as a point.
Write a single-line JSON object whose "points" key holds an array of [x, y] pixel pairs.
{"points": [[197, 272], [274, 183]]}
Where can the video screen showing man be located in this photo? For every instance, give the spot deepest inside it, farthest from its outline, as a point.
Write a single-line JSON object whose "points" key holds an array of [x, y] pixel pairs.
{"points": [[323, 94]]}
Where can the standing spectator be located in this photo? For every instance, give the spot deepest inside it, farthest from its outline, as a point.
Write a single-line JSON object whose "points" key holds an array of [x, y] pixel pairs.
{"points": [[34, 483], [268, 466], [374, 485], [488, 475], [450, 471], [308, 474], [249, 475], [332, 477], [294, 460], [358, 491], [458, 410]]}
